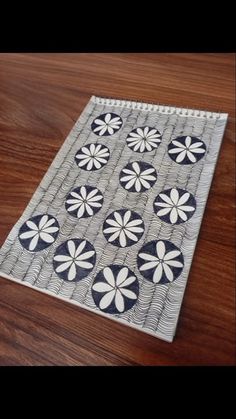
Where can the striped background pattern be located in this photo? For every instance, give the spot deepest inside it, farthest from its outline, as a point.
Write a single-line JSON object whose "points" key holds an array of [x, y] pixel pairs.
{"points": [[157, 309]]}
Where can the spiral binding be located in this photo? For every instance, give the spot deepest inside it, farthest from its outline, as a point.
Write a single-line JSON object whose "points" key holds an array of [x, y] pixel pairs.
{"points": [[167, 109]]}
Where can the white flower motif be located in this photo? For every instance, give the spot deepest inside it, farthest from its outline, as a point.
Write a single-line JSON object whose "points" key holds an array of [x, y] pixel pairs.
{"points": [[174, 206], [163, 261], [41, 229], [84, 201], [92, 156], [123, 226], [106, 124], [115, 290], [186, 150], [139, 176], [76, 258], [143, 139]]}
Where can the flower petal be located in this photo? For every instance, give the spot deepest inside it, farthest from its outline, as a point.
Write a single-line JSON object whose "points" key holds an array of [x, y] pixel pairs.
{"points": [[157, 274], [28, 234], [128, 281], [46, 237], [106, 300], [110, 230], [110, 130], [149, 265], [112, 223], [134, 223], [95, 198], [136, 167], [62, 258], [145, 183], [72, 272], [174, 195], [82, 264], [92, 193], [151, 133], [83, 192], [173, 215], [122, 239], [103, 130], [34, 242], [122, 275], [134, 229], [80, 248], [184, 198], [163, 205], [174, 263], [147, 256], [75, 195], [85, 255], [181, 156], [43, 221], [128, 294], [182, 214], [195, 145], [89, 209], [118, 218], [186, 208], [168, 272], [166, 198], [80, 211], [50, 229], [119, 301], [191, 157], [127, 216], [102, 287], [31, 225], [49, 223], [71, 248], [127, 178], [74, 207], [188, 141], [130, 235], [130, 183], [171, 255], [178, 144], [109, 277], [107, 118], [96, 163], [137, 185], [198, 150], [147, 172], [99, 122], [147, 177], [160, 249], [140, 132], [163, 211], [64, 266]]}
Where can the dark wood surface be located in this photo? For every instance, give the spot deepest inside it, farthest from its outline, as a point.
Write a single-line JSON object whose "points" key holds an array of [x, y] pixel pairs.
{"points": [[41, 96]]}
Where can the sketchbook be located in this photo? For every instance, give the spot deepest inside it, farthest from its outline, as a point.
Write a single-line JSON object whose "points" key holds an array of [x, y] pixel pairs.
{"points": [[113, 225]]}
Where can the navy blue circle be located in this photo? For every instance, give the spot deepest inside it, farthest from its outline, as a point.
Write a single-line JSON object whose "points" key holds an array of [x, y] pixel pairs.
{"points": [[94, 125], [143, 166], [150, 248], [88, 190], [186, 160], [80, 272], [128, 303], [41, 245], [134, 216], [166, 218]]}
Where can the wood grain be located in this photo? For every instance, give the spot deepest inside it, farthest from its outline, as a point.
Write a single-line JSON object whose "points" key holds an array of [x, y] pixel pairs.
{"points": [[41, 96]]}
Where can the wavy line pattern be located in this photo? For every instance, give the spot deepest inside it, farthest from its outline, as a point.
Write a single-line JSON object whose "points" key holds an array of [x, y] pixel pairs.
{"points": [[158, 306]]}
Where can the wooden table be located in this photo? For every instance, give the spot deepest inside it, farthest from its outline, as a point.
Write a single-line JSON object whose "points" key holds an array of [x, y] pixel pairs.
{"points": [[41, 96]]}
